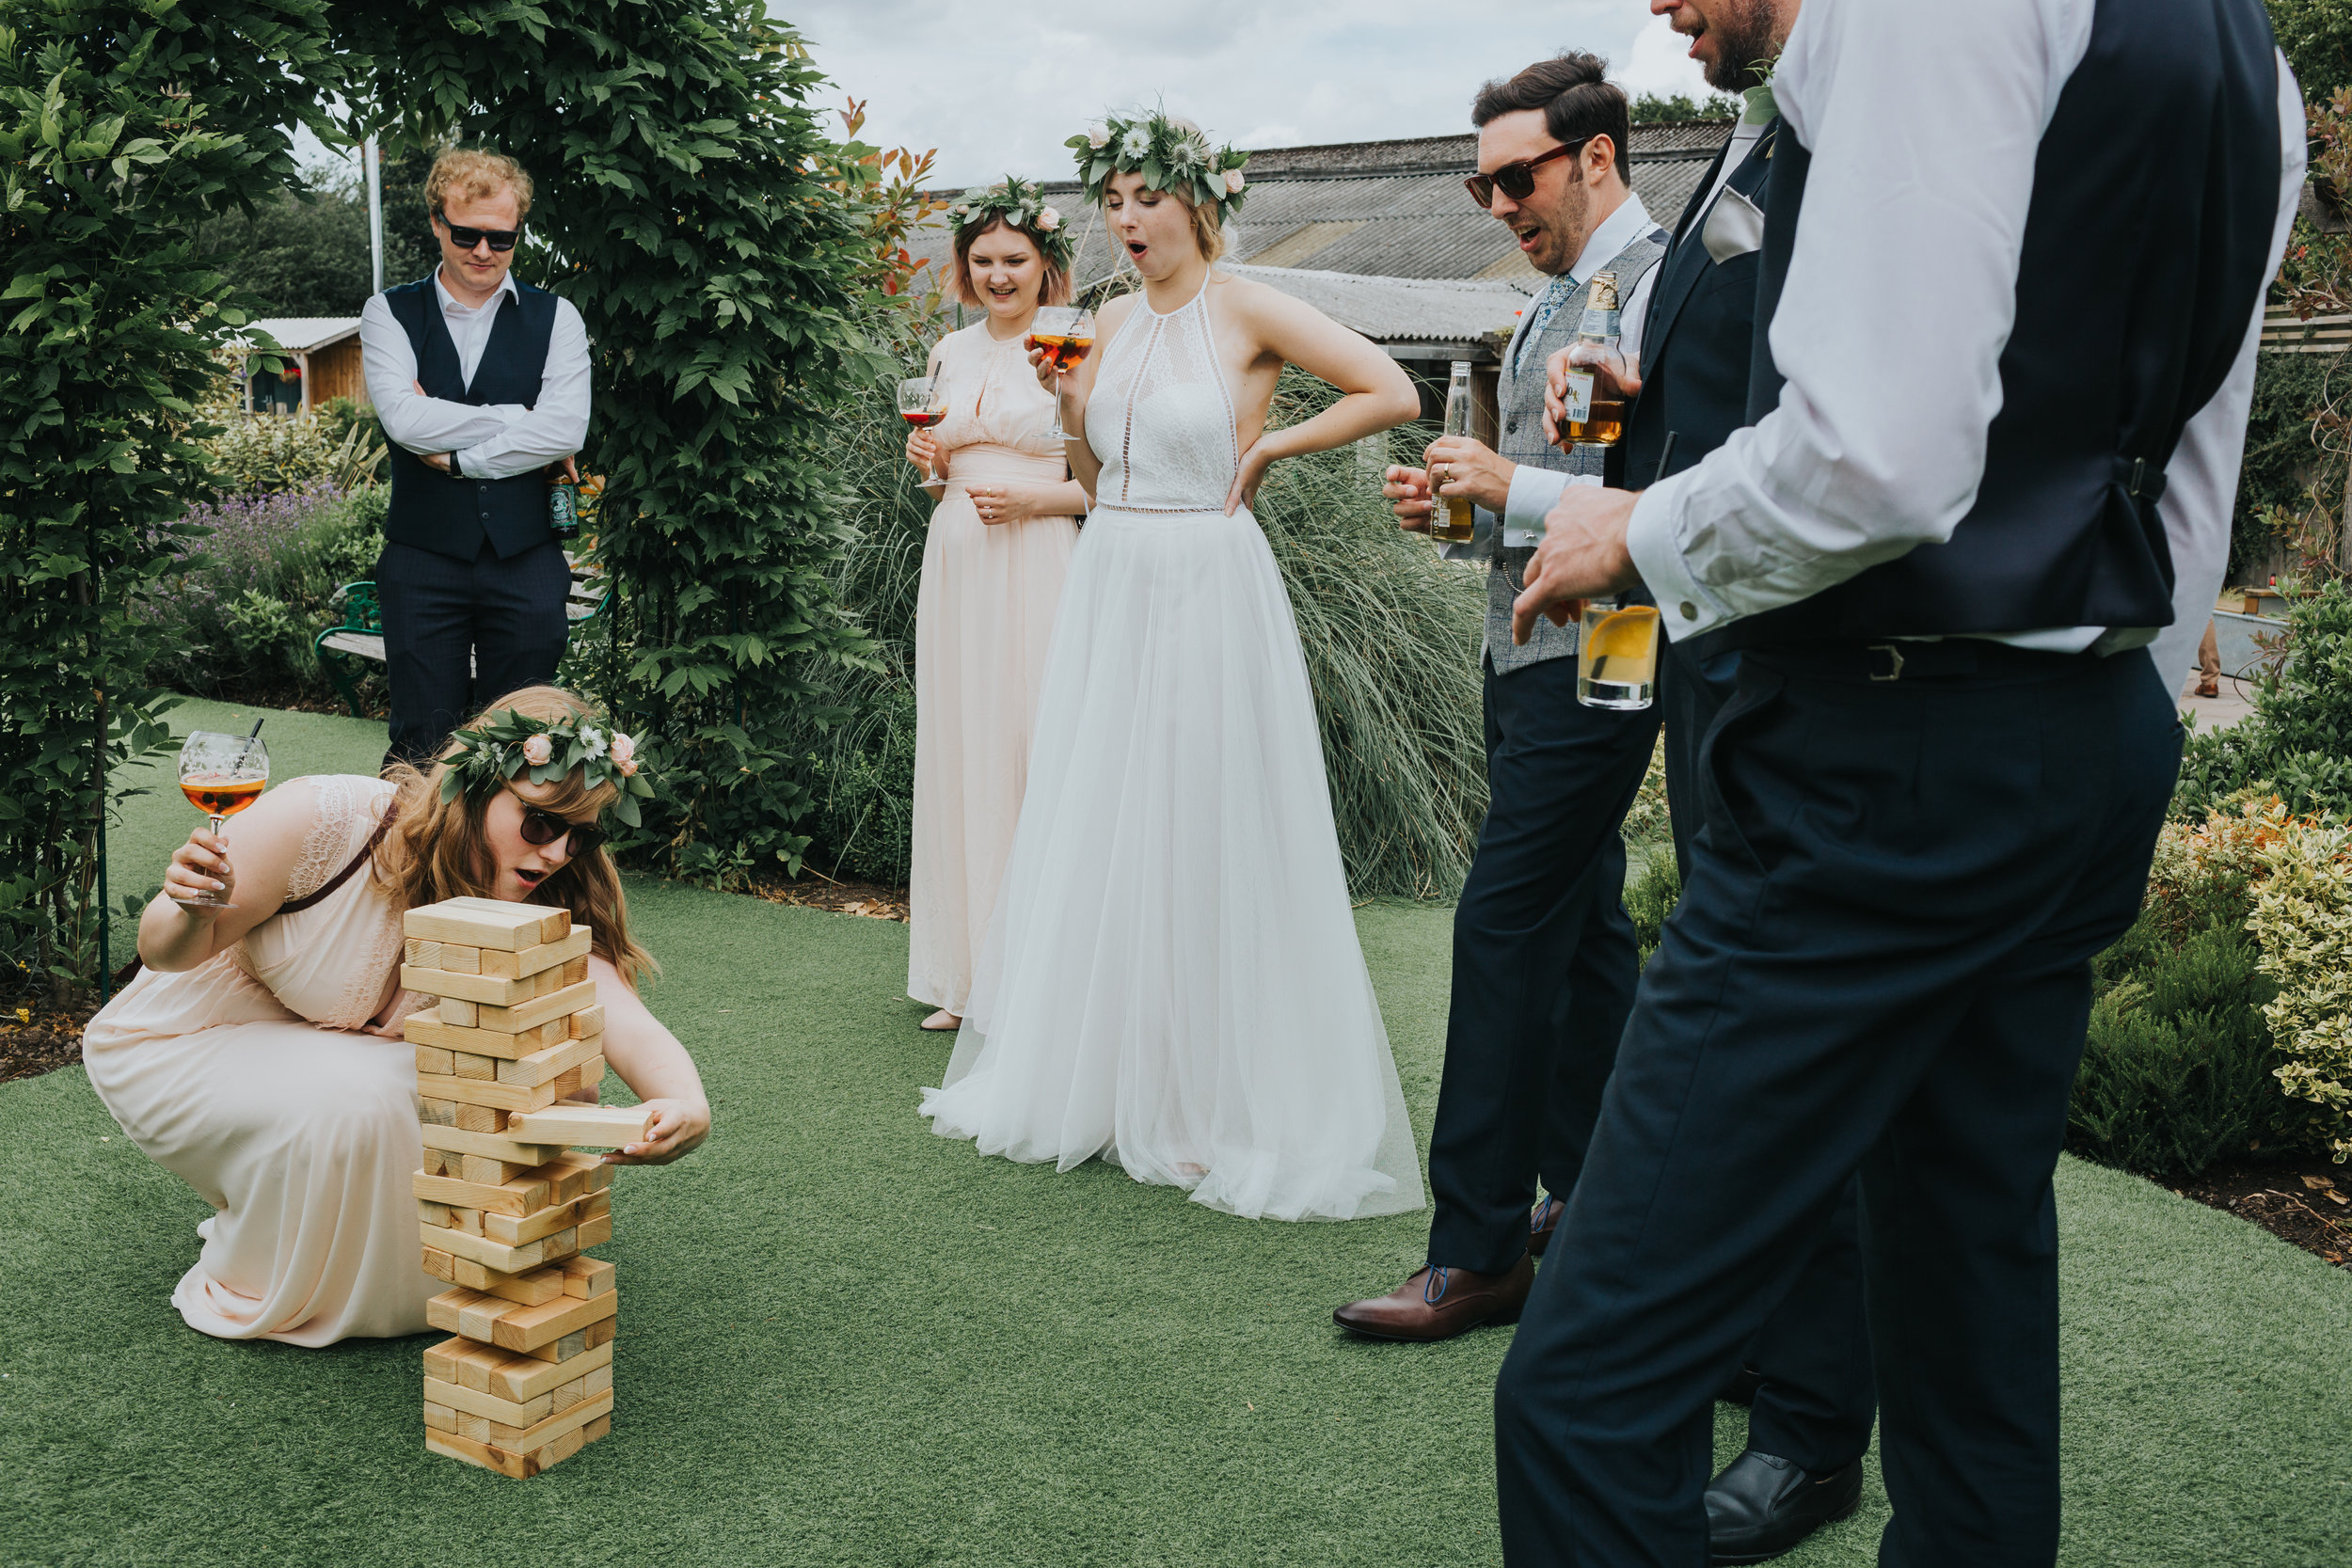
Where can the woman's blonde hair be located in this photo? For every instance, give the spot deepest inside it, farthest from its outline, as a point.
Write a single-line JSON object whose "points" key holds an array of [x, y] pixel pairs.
{"points": [[437, 849], [477, 176]]}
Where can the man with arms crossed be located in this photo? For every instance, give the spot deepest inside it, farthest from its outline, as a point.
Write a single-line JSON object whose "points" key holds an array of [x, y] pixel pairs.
{"points": [[481, 381], [1933, 795]]}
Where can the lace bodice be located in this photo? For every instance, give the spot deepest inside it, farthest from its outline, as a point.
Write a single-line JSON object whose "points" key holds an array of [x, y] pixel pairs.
{"points": [[1161, 417], [992, 396]]}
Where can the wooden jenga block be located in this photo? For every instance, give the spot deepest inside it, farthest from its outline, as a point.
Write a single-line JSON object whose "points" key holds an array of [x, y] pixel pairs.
{"points": [[484, 989], [436, 1113], [581, 1084], [419, 951], [530, 1288], [586, 1277], [434, 1214], [512, 1376], [432, 1166], [596, 1232], [457, 1012], [465, 1064], [547, 955], [576, 970], [497, 1146], [426, 1028], [477, 1119], [525, 1439], [579, 1343], [439, 1417], [515, 1231], [513, 1327], [510, 1413], [525, 1194], [570, 999], [510, 1259], [542, 1066], [582, 1126], [482, 1169], [588, 1021], [435, 1062], [488, 923], [440, 1265], [566, 1395], [490, 1092]]}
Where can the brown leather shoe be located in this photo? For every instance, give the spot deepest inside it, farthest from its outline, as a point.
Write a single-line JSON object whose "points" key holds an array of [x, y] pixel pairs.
{"points": [[1542, 1220], [1438, 1303]]}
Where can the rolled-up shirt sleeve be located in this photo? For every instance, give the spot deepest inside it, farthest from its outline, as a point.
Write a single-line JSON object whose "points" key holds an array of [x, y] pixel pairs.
{"points": [[412, 420], [557, 425], [1912, 197]]}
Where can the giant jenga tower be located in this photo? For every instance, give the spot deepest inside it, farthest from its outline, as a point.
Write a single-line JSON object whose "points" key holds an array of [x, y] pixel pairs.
{"points": [[506, 1208]]}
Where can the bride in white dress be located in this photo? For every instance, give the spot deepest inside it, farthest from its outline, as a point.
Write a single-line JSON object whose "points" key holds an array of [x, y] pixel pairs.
{"points": [[1171, 979]]}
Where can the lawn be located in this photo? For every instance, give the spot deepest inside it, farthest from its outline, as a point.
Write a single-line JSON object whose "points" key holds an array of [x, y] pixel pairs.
{"points": [[846, 1341]]}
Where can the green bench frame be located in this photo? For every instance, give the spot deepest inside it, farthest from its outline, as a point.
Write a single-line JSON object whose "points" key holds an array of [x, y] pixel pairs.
{"points": [[359, 636]]}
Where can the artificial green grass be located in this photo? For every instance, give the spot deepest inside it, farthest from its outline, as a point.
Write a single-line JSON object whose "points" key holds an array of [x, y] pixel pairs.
{"points": [[846, 1341]]}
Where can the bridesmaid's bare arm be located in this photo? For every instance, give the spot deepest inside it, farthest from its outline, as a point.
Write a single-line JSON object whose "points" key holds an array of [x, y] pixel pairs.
{"points": [[249, 864], [657, 1069]]}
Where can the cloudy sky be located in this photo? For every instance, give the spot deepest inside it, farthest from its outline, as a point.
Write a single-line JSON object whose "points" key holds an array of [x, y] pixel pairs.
{"points": [[996, 87]]}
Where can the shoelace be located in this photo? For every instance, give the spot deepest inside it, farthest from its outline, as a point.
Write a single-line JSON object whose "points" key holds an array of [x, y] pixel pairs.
{"points": [[1433, 1289]]}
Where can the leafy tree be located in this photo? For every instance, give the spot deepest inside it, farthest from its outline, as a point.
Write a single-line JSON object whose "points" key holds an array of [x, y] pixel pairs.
{"points": [[2316, 36], [304, 252], [1654, 108]]}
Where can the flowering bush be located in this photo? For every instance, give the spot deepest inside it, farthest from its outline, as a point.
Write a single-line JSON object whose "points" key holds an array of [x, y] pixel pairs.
{"points": [[342, 446], [2303, 919]]}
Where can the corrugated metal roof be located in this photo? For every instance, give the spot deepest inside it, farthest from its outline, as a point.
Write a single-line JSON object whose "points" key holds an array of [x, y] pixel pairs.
{"points": [[301, 334], [1400, 309]]}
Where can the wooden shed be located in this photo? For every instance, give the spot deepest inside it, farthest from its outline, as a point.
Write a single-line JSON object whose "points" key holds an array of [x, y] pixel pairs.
{"points": [[325, 351]]}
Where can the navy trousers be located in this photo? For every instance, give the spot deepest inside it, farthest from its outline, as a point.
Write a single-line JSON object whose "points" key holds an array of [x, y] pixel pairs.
{"points": [[460, 633], [1818, 1400], [1881, 963], [1544, 962]]}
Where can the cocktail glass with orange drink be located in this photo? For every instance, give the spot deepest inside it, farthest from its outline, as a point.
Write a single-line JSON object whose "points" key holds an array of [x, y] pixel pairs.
{"points": [[221, 775], [1617, 655]]}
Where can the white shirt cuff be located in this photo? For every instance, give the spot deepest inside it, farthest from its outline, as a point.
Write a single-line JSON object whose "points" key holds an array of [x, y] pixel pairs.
{"points": [[1533, 491], [1683, 606]]}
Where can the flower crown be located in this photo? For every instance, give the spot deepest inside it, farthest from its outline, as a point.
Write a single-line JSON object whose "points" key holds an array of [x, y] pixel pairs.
{"points": [[1169, 155], [506, 743], [1021, 203]]}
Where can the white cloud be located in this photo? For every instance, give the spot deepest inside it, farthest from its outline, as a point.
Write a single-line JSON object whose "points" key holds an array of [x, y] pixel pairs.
{"points": [[996, 87]]}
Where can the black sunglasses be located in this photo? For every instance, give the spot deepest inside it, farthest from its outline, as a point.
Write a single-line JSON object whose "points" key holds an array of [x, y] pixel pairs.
{"points": [[543, 827], [1518, 181], [465, 239]]}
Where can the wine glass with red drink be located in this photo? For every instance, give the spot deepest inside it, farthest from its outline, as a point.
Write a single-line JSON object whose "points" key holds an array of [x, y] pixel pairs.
{"points": [[221, 775], [1066, 334], [923, 403]]}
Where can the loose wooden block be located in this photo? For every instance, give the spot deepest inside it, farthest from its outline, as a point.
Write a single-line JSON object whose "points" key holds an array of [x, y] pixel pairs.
{"points": [[436, 1113], [456, 1011], [571, 1175], [498, 1096], [542, 1066], [524, 1377], [426, 1028], [529, 1288], [470, 1401], [514, 1231], [472, 988], [439, 1417], [496, 1146], [582, 1126], [488, 1172], [538, 1011], [525, 1194], [435, 1062], [589, 1021], [465, 1064], [487, 923], [532, 961], [599, 1333], [581, 1084], [596, 1232], [586, 1277], [510, 1259], [525, 1439], [478, 1118], [513, 1327]]}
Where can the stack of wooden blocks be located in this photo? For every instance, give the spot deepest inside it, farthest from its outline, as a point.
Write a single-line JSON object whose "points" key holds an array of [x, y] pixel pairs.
{"points": [[508, 1211]]}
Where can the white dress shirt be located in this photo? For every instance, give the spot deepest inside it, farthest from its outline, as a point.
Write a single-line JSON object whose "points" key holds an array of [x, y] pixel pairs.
{"points": [[493, 441], [1535, 491], [1878, 444]]}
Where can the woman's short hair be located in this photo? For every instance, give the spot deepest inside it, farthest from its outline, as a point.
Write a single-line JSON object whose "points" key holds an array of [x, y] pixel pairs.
{"points": [[478, 176], [1576, 95], [1052, 288]]}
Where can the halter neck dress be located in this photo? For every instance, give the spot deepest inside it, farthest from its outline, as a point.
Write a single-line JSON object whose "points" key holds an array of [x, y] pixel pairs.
{"points": [[1171, 979]]}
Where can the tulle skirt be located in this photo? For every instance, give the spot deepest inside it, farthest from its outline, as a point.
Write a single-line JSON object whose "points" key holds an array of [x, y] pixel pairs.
{"points": [[1171, 978]]}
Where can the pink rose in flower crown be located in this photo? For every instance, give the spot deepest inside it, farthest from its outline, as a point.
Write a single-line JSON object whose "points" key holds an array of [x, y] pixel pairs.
{"points": [[1047, 220], [628, 766], [1234, 181], [623, 748], [537, 749]]}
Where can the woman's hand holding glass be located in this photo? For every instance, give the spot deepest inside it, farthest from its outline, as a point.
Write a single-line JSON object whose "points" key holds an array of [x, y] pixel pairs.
{"points": [[200, 877], [923, 451]]}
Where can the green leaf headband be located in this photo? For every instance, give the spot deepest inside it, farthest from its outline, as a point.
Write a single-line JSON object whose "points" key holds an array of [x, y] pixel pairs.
{"points": [[506, 743], [1021, 203], [1170, 157]]}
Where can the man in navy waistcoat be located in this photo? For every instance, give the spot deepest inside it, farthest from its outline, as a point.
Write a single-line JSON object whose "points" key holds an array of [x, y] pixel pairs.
{"points": [[1942, 551], [482, 383]]}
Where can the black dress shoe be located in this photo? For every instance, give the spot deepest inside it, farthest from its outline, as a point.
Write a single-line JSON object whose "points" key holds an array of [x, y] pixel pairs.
{"points": [[1742, 1387], [1542, 1221], [1762, 1506]]}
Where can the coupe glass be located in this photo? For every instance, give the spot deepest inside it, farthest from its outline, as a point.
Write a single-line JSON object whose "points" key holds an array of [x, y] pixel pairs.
{"points": [[1066, 333], [221, 775]]}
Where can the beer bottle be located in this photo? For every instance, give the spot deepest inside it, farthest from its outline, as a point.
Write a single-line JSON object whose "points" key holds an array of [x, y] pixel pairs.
{"points": [[1596, 414]]}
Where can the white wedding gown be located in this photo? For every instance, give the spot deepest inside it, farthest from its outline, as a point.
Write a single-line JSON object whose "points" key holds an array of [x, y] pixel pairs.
{"points": [[1171, 978]]}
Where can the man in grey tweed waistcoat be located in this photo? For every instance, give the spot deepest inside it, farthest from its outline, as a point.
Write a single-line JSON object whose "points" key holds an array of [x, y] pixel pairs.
{"points": [[1544, 962]]}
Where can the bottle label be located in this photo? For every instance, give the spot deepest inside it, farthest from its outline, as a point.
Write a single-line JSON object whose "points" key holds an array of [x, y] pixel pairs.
{"points": [[1599, 324], [1580, 396]]}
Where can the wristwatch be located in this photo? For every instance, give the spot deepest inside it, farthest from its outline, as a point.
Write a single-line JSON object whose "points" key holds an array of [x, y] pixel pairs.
{"points": [[454, 471]]}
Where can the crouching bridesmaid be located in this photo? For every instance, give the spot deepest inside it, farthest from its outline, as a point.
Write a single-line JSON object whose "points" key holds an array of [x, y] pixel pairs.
{"points": [[259, 1056]]}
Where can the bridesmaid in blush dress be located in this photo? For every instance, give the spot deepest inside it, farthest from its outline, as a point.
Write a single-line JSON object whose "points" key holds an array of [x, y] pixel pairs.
{"points": [[1000, 542]]}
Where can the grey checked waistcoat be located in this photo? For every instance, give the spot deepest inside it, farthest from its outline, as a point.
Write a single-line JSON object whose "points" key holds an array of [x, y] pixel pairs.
{"points": [[1519, 406]]}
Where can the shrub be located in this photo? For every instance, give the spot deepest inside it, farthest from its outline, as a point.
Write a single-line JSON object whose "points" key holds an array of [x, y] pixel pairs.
{"points": [[2298, 739], [2303, 916], [270, 452]]}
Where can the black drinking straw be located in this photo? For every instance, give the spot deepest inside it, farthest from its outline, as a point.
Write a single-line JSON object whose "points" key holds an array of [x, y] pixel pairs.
{"points": [[246, 749]]}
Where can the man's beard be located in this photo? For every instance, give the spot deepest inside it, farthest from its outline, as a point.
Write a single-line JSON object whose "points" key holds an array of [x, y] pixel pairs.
{"points": [[1567, 229], [1743, 40]]}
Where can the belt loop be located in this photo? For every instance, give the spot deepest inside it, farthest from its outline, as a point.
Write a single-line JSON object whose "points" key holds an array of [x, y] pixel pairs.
{"points": [[1894, 659]]}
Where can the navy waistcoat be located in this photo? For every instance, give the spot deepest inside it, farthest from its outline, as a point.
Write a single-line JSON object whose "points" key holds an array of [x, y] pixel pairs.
{"points": [[2146, 244], [431, 510]]}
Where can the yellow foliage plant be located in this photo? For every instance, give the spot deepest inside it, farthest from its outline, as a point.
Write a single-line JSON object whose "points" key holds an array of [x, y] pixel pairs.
{"points": [[2303, 920]]}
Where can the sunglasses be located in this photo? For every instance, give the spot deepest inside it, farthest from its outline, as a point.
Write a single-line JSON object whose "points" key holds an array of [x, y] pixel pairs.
{"points": [[465, 239], [542, 826], [1515, 180]]}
